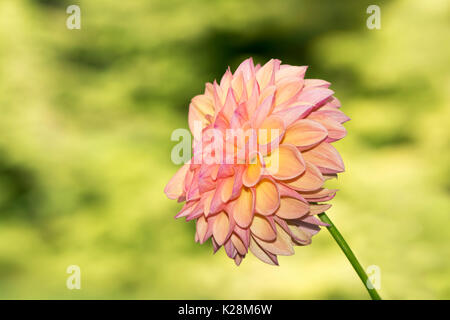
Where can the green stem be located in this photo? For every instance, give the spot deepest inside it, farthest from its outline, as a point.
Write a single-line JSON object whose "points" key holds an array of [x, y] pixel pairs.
{"points": [[349, 254]]}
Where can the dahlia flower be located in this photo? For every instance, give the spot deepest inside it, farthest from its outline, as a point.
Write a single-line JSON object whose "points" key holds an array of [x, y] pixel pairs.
{"points": [[260, 191]]}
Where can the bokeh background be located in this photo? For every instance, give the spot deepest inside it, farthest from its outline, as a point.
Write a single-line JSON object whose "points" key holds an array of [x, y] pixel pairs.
{"points": [[85, 123]]}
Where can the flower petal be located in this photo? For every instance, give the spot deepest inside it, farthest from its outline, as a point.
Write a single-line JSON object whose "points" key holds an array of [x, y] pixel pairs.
{"points": [[299, 234], [305, 133], [267, 197], [281, 246], [238, 259], [187, 209], [318, 208], [200, 107], [208, 197], [230, 249], [242, 208], [175, 187], [336, 131], [239, 87], [326, 157], [315, 95], [319, 195], [310, 180], [261, 254], [266, 75], [316, 83], [243, 234], [227, 189], [201, 229], [238, 244], [271, 132], [221, 228], [262, 229], [252, 173], [285, 162], [230, 105], [291, 208], [225, 82], [287, 89], [333, 113], [247, 68], [287, 71], [293, 112], [262, 111]]}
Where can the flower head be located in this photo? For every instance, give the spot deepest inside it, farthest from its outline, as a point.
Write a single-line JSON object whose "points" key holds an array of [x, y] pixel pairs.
{"points": [[261, 154]]}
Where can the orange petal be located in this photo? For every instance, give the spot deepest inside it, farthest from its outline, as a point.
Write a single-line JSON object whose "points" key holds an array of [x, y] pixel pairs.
{"points": [[238, 86], [300, 234], [262, 229], [282, 245], [289, 71], [238, 259], [318, 208], [238, 244], [266, 75], [287, 89], [227, 189], [304, 133], [319, 194], [200, 107], [252, 173], [175, 187], [261, 254], [242, 208], [271, 130], [230, 105], [221, 228], [325, 156], [310, 180], [207, 203], [201, 228], [333, 113], [336, 131], [316, 83], [285, 162], [291, 208], [267, 197], [225, 82]]}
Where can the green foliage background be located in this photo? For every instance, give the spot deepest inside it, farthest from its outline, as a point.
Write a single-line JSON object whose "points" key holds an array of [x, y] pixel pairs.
{"points": [[85, 123]]}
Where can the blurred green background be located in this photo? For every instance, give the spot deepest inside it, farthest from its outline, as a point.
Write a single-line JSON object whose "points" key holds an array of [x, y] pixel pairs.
{"points": [[85, 124]]}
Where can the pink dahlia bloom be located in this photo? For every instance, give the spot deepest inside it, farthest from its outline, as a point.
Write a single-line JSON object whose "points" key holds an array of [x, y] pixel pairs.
{"points": [[265, 199]]}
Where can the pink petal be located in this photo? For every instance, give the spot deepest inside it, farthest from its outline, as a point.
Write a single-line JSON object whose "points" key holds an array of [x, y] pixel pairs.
{"points": [[221, 228], [316, 83], [336, 131], [262, 111], [175, 187], [316, 96], [281, 246], [262, 229], [285, 163], [293, 113], [200, 106], [287, 89], [267, 197], [326, 157], [287, 71], [291, 208], [305, 133], [262, 255], [311, 179], [242, 209], [266, 75]]}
